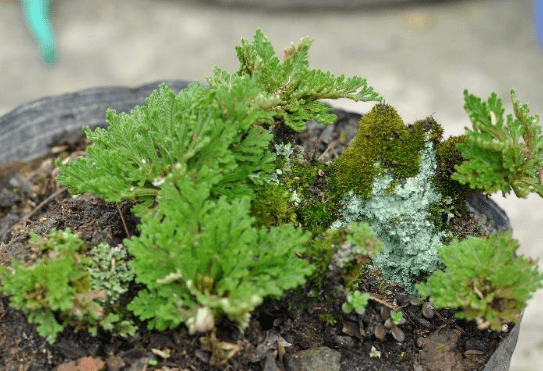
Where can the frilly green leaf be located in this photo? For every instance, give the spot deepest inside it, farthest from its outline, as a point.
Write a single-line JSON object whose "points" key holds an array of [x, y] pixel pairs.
{"points": [[501, 157], [484, 279], [197, 251]]}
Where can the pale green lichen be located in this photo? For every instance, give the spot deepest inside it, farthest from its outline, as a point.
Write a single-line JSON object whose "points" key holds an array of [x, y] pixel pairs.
{"points": [[284, 150], [109, 270], [400, 220]]}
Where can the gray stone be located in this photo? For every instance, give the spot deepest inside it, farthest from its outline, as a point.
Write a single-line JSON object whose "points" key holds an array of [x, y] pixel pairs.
{"points": [[322, 359], [344, 341]]}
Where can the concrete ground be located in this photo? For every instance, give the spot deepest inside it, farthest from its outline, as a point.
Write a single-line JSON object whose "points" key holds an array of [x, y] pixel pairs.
{"points": [[419, 57]]}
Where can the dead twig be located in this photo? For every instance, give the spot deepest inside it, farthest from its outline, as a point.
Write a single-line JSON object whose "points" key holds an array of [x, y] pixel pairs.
{"points": [[331, 146], [385, 303], [122, 218]]}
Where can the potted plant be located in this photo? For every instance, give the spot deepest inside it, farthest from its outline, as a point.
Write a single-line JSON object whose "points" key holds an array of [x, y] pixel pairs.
{"points": [[237, 240]]}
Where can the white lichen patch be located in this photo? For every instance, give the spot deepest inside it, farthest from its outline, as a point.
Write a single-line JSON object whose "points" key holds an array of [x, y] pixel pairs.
{"points": [[400, 221]]}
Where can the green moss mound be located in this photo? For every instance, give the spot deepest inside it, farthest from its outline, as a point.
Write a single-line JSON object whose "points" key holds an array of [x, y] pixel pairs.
{"points": [[382, 142]]}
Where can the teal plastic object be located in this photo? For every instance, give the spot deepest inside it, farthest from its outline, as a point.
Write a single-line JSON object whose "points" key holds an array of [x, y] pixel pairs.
{"points": [[37, 15]]}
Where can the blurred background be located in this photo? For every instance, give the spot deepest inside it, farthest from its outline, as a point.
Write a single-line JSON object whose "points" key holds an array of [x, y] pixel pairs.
{"points": [[419, 55]]}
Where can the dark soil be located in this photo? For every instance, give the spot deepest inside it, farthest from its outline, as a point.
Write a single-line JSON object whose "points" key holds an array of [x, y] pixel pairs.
{"points": [[31, 200]]}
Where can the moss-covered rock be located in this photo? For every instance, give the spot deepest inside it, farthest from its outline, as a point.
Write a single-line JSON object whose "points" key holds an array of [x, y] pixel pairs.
{"points": [[400, 221], [382, 142], [394, 176]]}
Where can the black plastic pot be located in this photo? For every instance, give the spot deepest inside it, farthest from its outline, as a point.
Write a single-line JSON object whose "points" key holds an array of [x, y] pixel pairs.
{"points": [[26, 132]]}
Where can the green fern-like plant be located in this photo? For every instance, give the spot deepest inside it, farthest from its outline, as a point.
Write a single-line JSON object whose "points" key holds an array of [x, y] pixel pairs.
{"points": [[297, 87], [193, 163], [194, 252], [58, 285], [172, 136], [222, 127], [501, 155], [484, 279]]}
